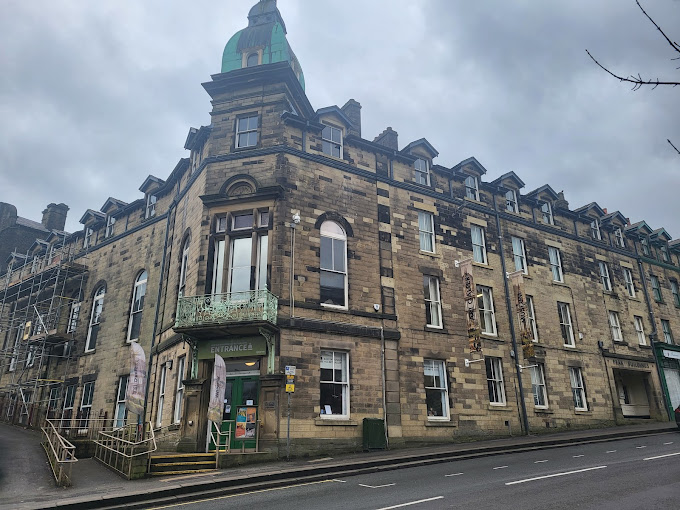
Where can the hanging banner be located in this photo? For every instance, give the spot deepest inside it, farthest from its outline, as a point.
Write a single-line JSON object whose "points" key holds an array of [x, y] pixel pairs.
{"points": [[219, 381], [136, 385], [523, 324], [470, 298]]}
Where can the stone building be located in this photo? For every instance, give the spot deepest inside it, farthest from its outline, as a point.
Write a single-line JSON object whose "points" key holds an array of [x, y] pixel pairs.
{"points": [[287, 239]]}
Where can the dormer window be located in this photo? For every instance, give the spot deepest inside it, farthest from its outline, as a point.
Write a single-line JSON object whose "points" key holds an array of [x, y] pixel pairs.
{"points": [[595, 230], [511, 201], [471, 187], [331, 141], [619, 240], [664, 253], [253, 60], [150, 206], [645, 246], [110, 222], [546, 210], [422, 171], [87, 242]]}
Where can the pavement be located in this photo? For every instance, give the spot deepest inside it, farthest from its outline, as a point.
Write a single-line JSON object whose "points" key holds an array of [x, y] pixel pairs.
{"points": [[26, 481]]}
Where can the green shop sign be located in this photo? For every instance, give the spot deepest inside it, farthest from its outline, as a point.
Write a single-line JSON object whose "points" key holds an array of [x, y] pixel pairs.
{"points": [[232, 347]]}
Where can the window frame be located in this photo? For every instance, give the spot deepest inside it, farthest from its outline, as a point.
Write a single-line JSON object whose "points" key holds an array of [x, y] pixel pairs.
{"points": [[344, 385], [675, 290], [619, 240], [615, 326], [110, 225], [150, 209], [547, 216], [556, 266], [423, 234], [522, 256], [566, 324], [246, 133], [330, 142], [179, 391], [251, 55], [438, 367], [639, 326], [85, 409], [595, 232], [95, 316], [605, 279], [578, 388], [665, 257], [472, 187], [183, 267], [480, 248], [629, 282], [511, 203], [486, 315], [422, 176], [433, 304], [160, 403], [644, 244], [531, 311], [494, 380], [667, 332], [538, 384], [121, 397], [137, 305], [87, 239], [335, 237], [656, 288]]}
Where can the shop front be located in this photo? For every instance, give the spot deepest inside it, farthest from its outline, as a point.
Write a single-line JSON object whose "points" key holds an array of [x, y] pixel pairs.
{"points": [[633, 386], [669, 361]]}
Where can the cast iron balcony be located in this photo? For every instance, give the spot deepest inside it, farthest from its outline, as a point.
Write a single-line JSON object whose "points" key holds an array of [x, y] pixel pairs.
{"points": [[217, 311]]}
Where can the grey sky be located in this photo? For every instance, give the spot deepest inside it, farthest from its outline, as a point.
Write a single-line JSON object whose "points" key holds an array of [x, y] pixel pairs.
{"points": [[94, 96]]}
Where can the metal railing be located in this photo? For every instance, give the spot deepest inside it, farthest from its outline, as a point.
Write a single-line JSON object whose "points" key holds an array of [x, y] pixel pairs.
{"points": [[218, 309], [60, 452], [82, 428], [221, 446], [118, 447]]}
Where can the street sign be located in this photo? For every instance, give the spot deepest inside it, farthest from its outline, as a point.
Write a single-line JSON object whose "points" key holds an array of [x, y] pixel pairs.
{"points": [[290, 369], [290, 388]]}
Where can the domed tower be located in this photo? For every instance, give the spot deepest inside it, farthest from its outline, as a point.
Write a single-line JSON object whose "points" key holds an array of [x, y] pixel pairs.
{"points": [[263, 41]]}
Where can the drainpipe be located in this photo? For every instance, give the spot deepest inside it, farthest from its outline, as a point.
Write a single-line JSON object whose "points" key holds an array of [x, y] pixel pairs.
{"points": [[518, 370], [653, 335], [173, 204]]}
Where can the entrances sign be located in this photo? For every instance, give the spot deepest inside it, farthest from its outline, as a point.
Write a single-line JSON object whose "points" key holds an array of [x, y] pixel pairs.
{"points": [[246, 421], [470, 298], [136, 385], [233, 347], [522, 314], [219, 382]]}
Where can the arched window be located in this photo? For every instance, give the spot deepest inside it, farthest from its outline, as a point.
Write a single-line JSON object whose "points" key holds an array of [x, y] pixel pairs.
{"points": [[95, 318], [253, 60], [333, 265], [183, 267], [137, 307]]}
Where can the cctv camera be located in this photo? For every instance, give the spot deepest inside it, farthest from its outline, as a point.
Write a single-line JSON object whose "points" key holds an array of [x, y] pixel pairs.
{"points": [[376, 307], [296, 218]]}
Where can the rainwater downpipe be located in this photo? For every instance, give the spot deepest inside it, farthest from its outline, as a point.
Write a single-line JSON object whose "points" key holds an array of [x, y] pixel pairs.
{"points": [[518, 370]]}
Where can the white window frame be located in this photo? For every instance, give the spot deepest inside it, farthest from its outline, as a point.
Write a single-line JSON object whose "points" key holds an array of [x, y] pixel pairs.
{"points": [[595, 232], [487, 314], [87, 241], [137, 305], [519, 255], [640, 330], [334, 231], [656, 288], [615, 326], [86, 405], [578, 389], [511, 203], [179, 390], [344, 385], [184, 263], [15, 351], [95, 315], [73, 316], [676, 293], [422, 171], [332, 144], [161, 395], [433, 305], [426, 231], [479, 248], [243, 136], [68, 405], [532, 317], [667, 331], [619, 239], [494, 380], [645, 247], [110, 224], [121, 408], [547, 213], [438, 368], [664, 253], [556, 264], [604, 276], [566, 328], [630, 283], [538, 387], [150, 210], [472, 187]]}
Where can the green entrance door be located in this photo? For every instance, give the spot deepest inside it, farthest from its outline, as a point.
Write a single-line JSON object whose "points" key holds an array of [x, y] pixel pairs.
{"points": [[240, 414]]}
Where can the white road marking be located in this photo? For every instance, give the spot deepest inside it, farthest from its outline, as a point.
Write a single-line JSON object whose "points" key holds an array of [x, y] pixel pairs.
{"points": [[377, 486], [638, 447], [540, 461], [500, 467], [339, 481], [411, 503], [610, 451], [669, 442], [662, 456], [577, 456], [554, 475], [454, 474]]}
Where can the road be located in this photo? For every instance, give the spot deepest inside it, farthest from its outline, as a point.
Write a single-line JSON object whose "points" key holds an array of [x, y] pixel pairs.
{"points": [[624, 474]]}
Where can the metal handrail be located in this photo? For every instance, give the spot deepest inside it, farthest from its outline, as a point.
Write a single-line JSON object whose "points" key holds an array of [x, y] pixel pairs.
{"points": [[218, 443], [62, 457], [118, 446]]}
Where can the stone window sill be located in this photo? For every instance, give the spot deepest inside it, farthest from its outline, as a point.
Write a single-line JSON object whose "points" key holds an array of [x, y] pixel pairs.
{"points": [[436, 423], [329, 422]]}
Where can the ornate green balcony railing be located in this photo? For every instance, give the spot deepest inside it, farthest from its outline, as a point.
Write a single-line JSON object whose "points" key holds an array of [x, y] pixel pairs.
{"points": [[222, 309]]}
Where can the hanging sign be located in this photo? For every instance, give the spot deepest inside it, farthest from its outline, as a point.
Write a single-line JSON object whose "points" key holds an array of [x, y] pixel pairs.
{"points": [[525, 332], [470, 299], [232, 347], [217, 387], [136, 385]]}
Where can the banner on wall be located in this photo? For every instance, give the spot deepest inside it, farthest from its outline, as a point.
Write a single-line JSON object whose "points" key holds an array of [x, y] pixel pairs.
{"points": [[217, 386], [470, 299], [136, 385], [523, 319]]}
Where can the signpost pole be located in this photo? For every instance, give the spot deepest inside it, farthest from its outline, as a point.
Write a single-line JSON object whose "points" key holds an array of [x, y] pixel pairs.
{"points": [[288, 432], [290, 388]]}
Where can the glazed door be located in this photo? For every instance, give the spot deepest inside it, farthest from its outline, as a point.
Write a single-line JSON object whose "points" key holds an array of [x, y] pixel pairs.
{"points": [[240, 412]]}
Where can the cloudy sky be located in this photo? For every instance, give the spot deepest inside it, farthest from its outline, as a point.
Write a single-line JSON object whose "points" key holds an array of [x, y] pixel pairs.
{"points": [[96, 95]]}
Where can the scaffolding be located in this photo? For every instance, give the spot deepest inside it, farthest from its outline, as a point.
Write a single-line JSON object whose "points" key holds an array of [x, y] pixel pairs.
{"points": [[40, 296]]}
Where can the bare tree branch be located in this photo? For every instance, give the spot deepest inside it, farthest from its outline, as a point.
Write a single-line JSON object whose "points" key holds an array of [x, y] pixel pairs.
{"points": [[637, 81], [676, 149], [674, 45]]}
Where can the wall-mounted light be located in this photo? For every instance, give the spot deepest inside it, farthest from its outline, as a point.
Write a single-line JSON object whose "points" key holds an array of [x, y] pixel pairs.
{"points": [[168, 364], [250, 363], [468, 362]]}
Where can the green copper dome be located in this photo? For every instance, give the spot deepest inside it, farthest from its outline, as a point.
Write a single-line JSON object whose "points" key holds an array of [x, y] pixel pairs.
{"points": [[263, 41]]}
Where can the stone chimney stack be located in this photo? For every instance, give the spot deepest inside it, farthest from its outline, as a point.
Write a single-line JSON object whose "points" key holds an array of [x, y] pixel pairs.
{"points": [[353, 111], [561, 203], [8, 215], [54, 216], [388, 138]]}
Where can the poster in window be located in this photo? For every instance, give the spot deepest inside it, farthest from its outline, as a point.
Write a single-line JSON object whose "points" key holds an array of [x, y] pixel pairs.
{"points": [[246, 421]]}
